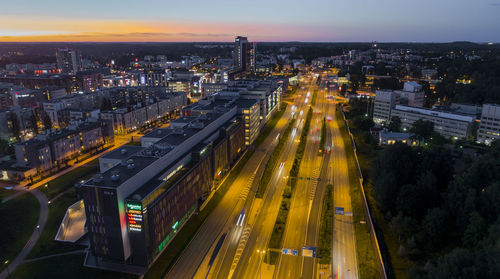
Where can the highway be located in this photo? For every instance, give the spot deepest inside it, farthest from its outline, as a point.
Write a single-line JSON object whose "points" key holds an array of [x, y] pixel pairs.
{"points": [[250, 263], [227, 243], [195, 259], [303, 220], [344, 259]]}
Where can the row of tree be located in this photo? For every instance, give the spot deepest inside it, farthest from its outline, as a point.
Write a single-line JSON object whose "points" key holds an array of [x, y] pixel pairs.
{"points": [[447, 222]]}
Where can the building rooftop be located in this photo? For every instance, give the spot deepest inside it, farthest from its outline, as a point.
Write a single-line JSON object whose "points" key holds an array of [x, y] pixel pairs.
{"points": [[115, 176], [245, 103], [158, 133], [435, 113], [123, 152]]}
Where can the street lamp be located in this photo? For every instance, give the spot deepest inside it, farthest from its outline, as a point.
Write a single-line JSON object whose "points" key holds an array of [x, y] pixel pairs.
{"points": [[262, 253], [8, 271]]}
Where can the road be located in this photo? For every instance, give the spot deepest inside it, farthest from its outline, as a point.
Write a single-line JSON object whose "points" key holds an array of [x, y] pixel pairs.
{"points": [[250, 261], [344, 260], [303, 219], [196, 257]]}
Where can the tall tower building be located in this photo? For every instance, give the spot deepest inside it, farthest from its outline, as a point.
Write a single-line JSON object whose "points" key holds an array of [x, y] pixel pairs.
{"points": [[68, 61], [244, 54]]}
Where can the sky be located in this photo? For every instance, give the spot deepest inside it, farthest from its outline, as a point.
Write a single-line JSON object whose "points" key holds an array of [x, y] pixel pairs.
{"points": [[260, 20]]}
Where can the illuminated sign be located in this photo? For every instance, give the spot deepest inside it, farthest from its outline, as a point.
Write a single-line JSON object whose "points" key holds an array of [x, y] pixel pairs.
{"points": [[134, 216]]}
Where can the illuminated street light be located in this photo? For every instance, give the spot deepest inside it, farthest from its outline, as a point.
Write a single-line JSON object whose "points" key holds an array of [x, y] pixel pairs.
{"points": [[261, 252]]}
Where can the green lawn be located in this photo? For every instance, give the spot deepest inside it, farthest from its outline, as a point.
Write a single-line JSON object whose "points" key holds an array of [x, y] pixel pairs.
{"points": [[63, 267], [46, 244], [4, 193], [368, 263], [326, 228], [68, 180], [18, 218]]}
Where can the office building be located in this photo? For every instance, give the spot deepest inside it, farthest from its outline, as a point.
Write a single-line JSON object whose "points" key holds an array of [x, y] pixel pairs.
{"points": [[248, 112], [385, 100], [69, 61], [449, 125], [143, 196], [489, 127]]}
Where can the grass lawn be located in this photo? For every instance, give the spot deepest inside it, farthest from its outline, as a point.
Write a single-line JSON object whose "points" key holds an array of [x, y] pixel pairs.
{"points": [[66, 266], [396, 266], [46, 244], [326, 228], [68, 180], [4, 193], [368, 263], [19, 217]]}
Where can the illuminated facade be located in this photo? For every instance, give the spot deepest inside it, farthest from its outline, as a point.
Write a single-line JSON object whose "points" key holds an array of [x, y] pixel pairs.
{"points": [[144, 195], [69, 61], [244, 55]]}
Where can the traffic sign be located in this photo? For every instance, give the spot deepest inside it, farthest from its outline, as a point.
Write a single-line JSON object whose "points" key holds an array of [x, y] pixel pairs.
{"points": [[309, 251], [348, 213], [339, 210], [291, 252]]}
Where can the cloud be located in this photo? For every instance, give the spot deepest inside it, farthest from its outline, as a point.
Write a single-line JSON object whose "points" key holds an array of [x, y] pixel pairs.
{"points": [[131, 36]]}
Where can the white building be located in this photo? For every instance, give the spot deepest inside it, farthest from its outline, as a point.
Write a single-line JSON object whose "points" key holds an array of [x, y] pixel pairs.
{"points": [[385, 100], [489, 128], [449, 125]]}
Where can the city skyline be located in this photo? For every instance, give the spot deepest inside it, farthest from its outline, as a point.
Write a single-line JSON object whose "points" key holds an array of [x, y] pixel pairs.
{"points": [[221, 21]]}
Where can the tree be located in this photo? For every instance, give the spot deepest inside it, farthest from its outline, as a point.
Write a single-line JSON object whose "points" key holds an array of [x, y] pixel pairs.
{"points": [[5, 147], [395, 124], [435, 225], [34, 123], [404, 226], [475, 231], [16, 131], [106, 104], [47, 122], [423, 129], [410, 200]]}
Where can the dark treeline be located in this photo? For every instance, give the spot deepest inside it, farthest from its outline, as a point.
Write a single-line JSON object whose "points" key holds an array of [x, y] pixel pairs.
{"points": [[446, 222]]}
